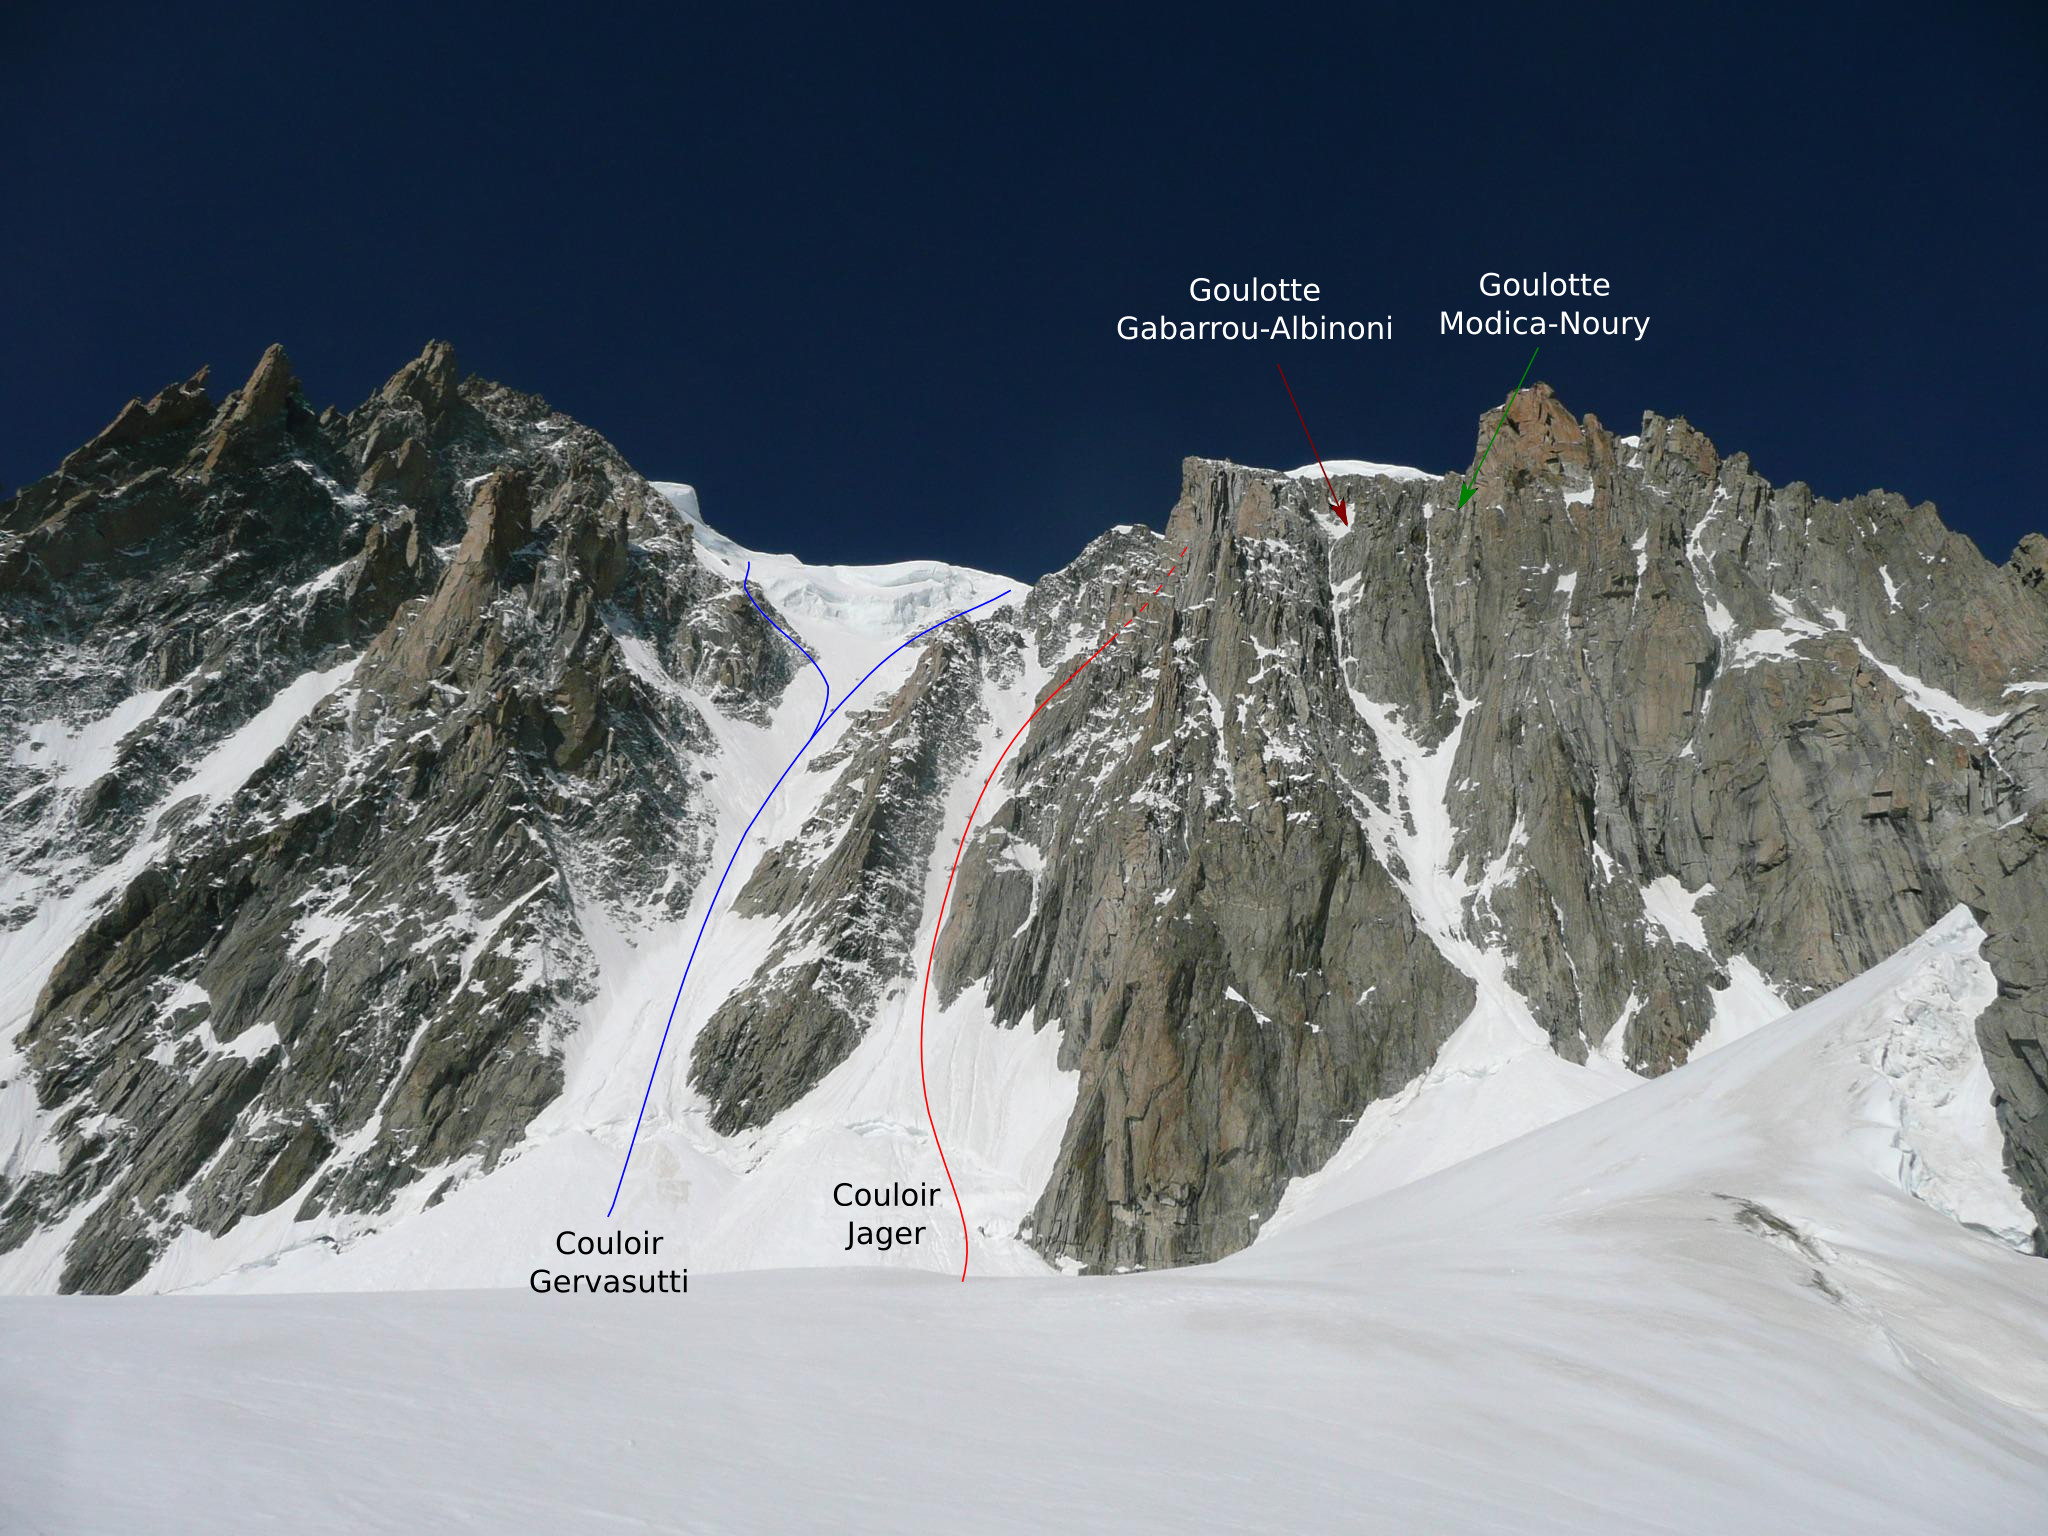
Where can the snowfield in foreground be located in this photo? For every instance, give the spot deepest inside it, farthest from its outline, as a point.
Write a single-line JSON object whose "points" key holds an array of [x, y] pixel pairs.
{"points": [[1762, 1293]]}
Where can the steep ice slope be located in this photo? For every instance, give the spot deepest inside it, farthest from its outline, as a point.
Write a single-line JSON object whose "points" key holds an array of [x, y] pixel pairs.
{"points": [[1709, 1304], [759, 1200], [366, 777], [1604, 766], [762, 1198], [860, 606]]}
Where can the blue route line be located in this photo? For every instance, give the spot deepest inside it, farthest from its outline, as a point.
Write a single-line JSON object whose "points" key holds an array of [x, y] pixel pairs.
{"points": [[825, 713]]}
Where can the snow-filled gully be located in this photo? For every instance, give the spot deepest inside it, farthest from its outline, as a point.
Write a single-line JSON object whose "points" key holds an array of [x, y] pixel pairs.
{"points": [[939, 920], [826, 711]]}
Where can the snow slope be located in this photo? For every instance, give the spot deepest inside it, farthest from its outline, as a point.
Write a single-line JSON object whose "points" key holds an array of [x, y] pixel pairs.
{"points": [[1731, 1298], [761, 1199], [1361, 467], [870, 602]]}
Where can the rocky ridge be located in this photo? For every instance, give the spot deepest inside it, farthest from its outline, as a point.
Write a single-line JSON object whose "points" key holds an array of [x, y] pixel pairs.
{"points": [[395, 736], [342, 735], [848, 885], [1642, 740]]}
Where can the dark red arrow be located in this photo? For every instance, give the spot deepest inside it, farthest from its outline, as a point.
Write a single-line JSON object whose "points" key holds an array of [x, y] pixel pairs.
{"points": [[1336, 505]]}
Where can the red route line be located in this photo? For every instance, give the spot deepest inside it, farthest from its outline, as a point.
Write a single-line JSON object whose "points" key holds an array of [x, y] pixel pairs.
{"points": [[925, 999]]}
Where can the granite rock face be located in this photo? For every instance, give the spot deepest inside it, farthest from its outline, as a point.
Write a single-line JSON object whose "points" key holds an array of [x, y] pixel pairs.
{"points": [[348, 745], [1180, 883], [1795, 708], [393, 739], [850, 885], [2007, 887], [1680, 673], [1635, 736]]}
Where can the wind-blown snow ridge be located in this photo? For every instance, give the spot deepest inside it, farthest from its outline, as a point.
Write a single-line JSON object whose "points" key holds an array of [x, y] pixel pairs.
{"points": [[874, 599], [1360, 467], [1881, 1078]]}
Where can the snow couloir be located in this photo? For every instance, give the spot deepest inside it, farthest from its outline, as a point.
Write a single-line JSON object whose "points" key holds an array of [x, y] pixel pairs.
{"points": [[883, 1238]]}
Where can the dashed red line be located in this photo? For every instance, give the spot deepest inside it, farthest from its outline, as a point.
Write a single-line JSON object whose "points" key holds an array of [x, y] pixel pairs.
{"points": [[924, 1000]]}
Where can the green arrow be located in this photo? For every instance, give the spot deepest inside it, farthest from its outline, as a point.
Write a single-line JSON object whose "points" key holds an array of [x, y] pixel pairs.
{"points": [[1466, 491]]}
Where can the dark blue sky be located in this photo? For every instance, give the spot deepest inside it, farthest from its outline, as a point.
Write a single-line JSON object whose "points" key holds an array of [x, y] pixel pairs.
{"points": [[857, 276]]}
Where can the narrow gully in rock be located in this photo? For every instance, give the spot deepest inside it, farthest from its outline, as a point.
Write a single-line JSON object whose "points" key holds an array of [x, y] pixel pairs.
{"points": [[826, 712], [939, 922]]}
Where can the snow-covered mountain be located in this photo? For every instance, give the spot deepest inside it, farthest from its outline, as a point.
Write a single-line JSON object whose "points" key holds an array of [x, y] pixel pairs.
{"points": [[1740, 1296], [375, 775]]}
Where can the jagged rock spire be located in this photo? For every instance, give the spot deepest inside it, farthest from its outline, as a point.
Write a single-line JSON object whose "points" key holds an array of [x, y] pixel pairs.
{"points": [[256, 407]]}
